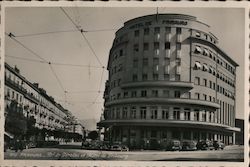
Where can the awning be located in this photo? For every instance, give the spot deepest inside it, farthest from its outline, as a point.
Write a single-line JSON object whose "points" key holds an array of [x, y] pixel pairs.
{"points": [[197, 34], [211, 70], [205, 68], [206, 52], [198, 49], [197, 65]]}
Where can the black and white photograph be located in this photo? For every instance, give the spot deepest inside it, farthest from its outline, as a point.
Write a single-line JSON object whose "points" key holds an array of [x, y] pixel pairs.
{"points": [[128, 84]]}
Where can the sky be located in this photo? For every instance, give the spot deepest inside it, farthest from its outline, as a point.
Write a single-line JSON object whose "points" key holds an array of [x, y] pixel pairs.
{"points": [[83, 83]]}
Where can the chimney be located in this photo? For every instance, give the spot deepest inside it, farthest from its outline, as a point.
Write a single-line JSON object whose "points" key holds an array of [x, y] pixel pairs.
{"points": [[16, 69]]}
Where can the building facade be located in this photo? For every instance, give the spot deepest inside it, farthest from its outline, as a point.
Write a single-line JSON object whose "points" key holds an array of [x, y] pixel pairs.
{"points": [[168, 79], [36, 111]]}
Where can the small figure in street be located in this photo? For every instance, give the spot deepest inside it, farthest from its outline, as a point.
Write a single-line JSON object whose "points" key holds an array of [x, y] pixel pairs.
{"points": [[18, 145]]}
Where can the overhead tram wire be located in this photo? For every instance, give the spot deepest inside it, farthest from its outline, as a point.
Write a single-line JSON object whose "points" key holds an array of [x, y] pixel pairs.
{"points": [[57, 78], [82, 33], [44, 33], [12, 36], [26, 59], [54, 63], [62, 31]]}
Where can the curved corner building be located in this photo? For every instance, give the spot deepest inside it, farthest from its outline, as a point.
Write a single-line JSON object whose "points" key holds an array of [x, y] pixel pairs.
{"points": [[168, 79]]}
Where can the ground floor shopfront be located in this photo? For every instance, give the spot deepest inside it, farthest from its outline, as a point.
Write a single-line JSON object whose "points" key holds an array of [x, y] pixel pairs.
{"points": [[148, 137]]}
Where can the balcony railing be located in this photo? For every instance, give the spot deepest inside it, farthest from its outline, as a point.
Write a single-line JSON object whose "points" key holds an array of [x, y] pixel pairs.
{"points": [[14, 85], [189, 85], [164, 100]]}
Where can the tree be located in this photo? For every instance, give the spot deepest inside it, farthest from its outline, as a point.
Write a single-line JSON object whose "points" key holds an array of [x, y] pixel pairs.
{"points": [[93, 135]]}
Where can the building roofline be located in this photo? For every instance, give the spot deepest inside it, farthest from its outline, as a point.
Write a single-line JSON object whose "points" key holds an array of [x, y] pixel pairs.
{"points": [[44, 94]]}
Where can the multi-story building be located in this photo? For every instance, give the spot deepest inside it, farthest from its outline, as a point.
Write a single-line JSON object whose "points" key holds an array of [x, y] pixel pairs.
{"points": [[168, 79], [26, 98]]}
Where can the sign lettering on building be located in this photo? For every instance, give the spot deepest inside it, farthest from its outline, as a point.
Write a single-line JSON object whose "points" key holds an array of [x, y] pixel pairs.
{"points": [[172, 22]]}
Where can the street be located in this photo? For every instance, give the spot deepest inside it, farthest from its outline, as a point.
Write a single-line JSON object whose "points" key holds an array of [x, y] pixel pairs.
{"points": [[72, 151]]}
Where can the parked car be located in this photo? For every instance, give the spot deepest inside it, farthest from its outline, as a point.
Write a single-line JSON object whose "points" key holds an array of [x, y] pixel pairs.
{"points": [[124, 148], [173, 145], [189, 145], [116, 148], [205, 145], [119, 148], [218, 145]]}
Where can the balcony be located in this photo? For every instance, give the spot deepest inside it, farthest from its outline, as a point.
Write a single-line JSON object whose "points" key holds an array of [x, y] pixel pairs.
{"points": [[31, 97], [159, 100], [189, 85], [14, 85]]}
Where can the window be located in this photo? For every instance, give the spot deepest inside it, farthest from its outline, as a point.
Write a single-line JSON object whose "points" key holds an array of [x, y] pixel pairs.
{"points": [[178, 30], [157, 30], [165, 113], [155, 93], [144, 77], [145, 46], [125, 94], [196, 115], [205, 82], [155, 77], [133, 112], [146, 31], [118, 113], [197, 81], [13, 94], [154, 113], [121, 53], [177, 76], [214, 86], [210, 84], [177, 94], [167, 45], [197, 96], [145, 62], [137, 33], [186, 114], [133, 93], [156, 45], [203, 116], [165, 93], [204, 96], [177, 113], [177, 69], [143, 93], [210, 98], [125, 112], [178, 46], [166, 76], [143, 111], [135, 78], [136, 47], [135, 63], [168, 30]]}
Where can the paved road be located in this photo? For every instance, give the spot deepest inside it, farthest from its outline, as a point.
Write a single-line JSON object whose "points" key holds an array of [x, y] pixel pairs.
{"points": [[73, 152]]}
